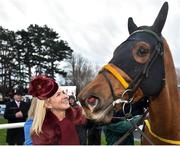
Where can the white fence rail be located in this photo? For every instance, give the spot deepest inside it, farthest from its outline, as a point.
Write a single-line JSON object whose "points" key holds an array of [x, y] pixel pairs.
{"points": [[12, 125]]}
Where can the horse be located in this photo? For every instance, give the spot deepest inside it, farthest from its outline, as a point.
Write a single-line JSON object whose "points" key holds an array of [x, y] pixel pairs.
{"points": [[141, 67]]}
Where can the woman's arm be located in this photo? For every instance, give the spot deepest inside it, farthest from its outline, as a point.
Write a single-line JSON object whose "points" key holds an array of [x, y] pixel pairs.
{"points": [[40, 139]]}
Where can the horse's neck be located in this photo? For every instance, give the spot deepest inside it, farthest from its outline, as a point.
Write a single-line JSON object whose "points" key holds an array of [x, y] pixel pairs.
{"points": [[164, 114], [164, 111]]}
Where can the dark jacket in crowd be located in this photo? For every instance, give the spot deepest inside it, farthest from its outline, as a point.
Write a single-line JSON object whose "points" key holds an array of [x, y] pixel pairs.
{"points": [[16, 135]]}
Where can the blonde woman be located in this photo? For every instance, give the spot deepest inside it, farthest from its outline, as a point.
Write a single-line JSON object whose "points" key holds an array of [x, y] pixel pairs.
{"points": [[28, 123], [53, 119]]}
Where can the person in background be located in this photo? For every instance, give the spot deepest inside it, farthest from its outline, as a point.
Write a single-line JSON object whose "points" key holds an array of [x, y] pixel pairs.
{"points": [[117, 128], [94, 133], [28, 123], [114, 131], [16, 111], [54, 121], [81, 127]]}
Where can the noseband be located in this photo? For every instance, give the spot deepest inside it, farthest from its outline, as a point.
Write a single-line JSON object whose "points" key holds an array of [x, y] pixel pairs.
{"points": [[130, 89]]}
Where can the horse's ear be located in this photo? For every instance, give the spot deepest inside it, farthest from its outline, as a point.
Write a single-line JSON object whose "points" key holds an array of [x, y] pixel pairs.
{"points": [[161, 19], [131, 25]]}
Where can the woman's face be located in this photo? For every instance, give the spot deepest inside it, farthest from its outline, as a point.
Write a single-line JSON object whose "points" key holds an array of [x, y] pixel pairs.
{"points": [[59, 101]]}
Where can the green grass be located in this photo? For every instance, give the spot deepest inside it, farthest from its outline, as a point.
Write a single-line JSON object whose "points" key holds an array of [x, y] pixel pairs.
{"points": [[103, 139], [136, 142], [2, 132]]}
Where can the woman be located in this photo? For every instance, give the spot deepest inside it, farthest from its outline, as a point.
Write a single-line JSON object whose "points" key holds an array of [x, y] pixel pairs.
{"points": [[54, 119]]}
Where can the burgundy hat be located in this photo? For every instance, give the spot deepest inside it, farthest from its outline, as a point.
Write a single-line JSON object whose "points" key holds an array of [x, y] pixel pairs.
{"points": [[42, 87]]}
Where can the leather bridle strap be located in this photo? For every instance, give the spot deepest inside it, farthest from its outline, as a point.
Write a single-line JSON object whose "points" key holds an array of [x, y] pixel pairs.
{"points": [[144, 73], [157, 51], [117, 75], [127, 88], [110, 85], [109, 68]]}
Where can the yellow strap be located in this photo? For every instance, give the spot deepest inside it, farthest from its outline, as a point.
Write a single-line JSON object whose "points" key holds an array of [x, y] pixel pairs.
{"points": [[160, 138], [117, 75]]}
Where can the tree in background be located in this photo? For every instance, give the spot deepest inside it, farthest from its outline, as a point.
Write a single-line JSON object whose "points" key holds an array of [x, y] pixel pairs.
{"points": [[38, 49], [7, 39], [81, 72], [49, 50], [24, 42]]}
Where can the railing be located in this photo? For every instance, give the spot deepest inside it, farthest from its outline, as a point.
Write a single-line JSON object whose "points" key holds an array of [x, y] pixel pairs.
{"points": [[12, 125]]}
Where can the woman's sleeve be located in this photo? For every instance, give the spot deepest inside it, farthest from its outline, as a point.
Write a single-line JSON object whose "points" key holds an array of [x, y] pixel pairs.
{"points": [[40, 139], [76, 116]]}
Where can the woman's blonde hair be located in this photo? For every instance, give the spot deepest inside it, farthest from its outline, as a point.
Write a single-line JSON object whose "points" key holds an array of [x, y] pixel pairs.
{"points": [[39, 115], [32, 108]]}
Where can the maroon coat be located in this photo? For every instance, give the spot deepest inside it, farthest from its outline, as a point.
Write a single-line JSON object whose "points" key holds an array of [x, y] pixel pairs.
{"points": [[56, 132]]}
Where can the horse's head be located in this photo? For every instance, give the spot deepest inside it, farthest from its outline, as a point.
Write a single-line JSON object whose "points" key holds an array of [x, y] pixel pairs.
{"points": [[136, 70]]}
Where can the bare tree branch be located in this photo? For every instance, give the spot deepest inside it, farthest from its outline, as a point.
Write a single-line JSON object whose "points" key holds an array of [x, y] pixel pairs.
{"points": [[82, 71]]}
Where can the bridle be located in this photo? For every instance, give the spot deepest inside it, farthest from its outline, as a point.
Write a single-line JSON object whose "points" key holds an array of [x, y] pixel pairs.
{"points": [[130, 89]]}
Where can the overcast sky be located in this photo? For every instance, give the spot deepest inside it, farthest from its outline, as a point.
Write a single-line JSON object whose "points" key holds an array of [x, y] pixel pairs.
{"points": [[93, 28]]}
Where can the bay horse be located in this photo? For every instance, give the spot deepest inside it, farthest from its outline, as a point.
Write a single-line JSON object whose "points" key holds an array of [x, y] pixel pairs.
{"points": [[141, 66]]}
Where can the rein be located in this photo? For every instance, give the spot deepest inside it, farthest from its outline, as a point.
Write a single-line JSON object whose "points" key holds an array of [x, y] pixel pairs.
{"points": [[134, 126]]}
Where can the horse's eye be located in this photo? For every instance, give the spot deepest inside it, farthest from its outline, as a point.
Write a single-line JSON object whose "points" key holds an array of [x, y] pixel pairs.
{"points": [[142, 52]]}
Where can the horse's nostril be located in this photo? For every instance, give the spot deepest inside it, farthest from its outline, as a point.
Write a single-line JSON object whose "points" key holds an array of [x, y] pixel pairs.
{"points": [[92, 101]]}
